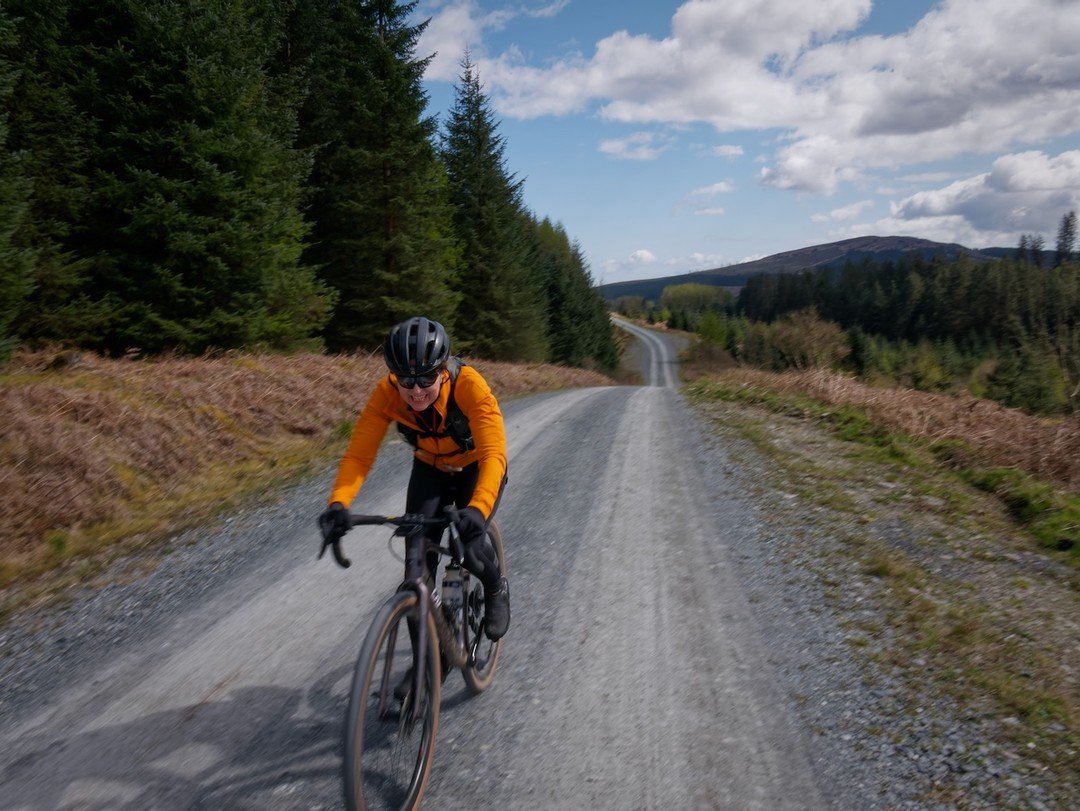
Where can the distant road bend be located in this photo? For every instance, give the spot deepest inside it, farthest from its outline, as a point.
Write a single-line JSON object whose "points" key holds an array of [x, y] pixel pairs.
{"points": [[634, 675], [660, 366]]}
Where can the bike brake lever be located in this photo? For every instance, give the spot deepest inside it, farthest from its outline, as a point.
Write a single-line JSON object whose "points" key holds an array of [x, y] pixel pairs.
{"points": [[335, 547]]}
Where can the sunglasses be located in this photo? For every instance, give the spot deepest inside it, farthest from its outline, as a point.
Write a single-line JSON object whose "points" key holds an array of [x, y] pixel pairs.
{"points": [[412, 381]]}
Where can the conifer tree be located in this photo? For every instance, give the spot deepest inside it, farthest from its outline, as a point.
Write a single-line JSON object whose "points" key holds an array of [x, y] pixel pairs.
{"points": [[200, 192], [180, 212], [53, 141], [578, 326], [16, 260], [1066, 241], [383, 236], [1036, 245], [501, 314]]}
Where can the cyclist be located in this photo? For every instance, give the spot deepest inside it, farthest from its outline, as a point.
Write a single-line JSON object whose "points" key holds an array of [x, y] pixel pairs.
{"points": [[428, 393]]}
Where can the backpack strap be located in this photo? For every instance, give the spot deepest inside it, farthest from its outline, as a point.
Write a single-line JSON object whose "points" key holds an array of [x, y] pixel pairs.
{"points": [[456, 424]]}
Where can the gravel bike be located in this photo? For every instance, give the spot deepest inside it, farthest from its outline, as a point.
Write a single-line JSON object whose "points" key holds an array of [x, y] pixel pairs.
{"points": [[393, 714]]}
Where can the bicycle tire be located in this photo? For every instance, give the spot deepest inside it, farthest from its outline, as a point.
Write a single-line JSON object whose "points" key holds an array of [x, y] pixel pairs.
{"points": [[390, 743], [479, 671]]}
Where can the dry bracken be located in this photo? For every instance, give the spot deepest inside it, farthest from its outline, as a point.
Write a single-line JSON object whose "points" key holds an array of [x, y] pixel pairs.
{"points": [[998, 436], [84, 439]]}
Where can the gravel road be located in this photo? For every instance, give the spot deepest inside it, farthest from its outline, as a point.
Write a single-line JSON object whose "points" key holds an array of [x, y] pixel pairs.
{"points": [[664, 653]]}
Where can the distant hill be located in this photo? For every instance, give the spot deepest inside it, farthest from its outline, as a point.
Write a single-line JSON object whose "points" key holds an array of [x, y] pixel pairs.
{"points": [[833, 254]]}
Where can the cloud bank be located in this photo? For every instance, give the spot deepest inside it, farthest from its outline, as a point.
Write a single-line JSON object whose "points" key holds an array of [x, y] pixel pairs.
{"points": [[972, 75], [827, 107]]}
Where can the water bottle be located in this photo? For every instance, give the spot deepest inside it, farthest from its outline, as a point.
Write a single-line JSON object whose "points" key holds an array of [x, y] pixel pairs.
{"points": [[451, 589]]}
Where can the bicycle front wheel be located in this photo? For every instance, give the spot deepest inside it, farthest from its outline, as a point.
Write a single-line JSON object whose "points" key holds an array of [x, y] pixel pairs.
{"points": [[479, 670], [390, 731]]}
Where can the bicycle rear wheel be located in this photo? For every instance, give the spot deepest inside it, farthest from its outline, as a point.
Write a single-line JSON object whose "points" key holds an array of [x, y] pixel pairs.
{"points": [[390, 741], [483, 653]]}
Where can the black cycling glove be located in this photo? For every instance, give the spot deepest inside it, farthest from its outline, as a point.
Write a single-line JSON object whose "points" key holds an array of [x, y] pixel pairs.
{"points": [[471, 525], [334, 521], [480, 558]]}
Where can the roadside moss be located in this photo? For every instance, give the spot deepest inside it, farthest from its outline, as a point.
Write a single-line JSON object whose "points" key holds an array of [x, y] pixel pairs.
{"points": [[1050, 515]]}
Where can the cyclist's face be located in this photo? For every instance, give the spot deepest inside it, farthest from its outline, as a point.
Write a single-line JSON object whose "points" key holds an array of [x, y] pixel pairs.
{"points": [[418, 398]]}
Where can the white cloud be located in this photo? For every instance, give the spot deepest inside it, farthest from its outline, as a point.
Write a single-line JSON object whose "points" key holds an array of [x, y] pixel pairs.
{"points": [[727, 151], [549, 10], [642, 257], [710, 212], [459, 25], [948, 229], [844, 213], [722, 187], [1025, 192], [981, 76], [453, 28], [1036, 171], [697, 261], [643, 264], [971, 76], [810, 165], [641, 146], [719, 65]]}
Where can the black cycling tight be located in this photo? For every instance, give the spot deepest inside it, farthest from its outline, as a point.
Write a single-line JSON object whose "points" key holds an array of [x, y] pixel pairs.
{"points": [[430, 490]]}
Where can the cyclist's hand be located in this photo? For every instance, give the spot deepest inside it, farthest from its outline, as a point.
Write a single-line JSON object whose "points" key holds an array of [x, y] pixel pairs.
{"points": [[471, 525], [479, 554], [334, 521]]}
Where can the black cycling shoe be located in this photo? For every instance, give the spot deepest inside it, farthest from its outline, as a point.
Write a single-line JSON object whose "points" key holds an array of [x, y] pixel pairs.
{"points": [[497, 611]]}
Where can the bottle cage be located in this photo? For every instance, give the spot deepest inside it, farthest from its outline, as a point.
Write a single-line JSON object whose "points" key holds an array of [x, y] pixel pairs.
{"points": [[456, 425]]}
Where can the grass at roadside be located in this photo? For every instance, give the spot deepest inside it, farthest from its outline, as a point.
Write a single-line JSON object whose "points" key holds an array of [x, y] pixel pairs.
{"points": [[971, 564], [100, 456], [1041, 491]]}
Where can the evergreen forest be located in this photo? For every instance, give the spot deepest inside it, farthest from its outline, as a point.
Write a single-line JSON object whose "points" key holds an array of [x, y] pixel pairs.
{"points": [[1008, 329], [203, 175]]}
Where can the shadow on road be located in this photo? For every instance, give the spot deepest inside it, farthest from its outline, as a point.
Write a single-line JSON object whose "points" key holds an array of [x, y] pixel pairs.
{"points": [[234, 753]]}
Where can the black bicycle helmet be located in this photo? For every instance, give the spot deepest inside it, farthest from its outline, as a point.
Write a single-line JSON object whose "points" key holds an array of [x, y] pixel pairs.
{"points": [[416, 346]]}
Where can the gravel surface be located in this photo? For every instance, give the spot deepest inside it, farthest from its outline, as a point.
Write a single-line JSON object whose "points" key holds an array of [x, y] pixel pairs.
{"points": [[134, 599], [876, 736], [884, 733]]}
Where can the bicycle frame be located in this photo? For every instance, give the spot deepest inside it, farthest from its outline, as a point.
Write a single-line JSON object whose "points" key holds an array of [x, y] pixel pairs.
{"points": [[451, 640], [417, 579]]}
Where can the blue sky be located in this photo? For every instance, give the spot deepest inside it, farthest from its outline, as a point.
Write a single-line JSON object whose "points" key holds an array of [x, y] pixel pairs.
{"points": [[675, 136]]}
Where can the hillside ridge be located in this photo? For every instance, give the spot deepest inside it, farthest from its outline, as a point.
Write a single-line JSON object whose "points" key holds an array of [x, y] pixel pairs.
{"points": [[855, 249]]}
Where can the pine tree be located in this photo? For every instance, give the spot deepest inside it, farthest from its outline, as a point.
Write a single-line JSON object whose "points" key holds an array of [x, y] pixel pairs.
{"points": [[1066, 241], [383, 235], [177, 223], [16, 260], [1023, 249], [53, 140], [1036, 245], [578, 325], [501, 314]]}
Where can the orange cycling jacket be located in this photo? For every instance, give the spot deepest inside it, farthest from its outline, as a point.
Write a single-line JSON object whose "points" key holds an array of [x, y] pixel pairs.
{"points": [[385, 406]]}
